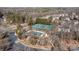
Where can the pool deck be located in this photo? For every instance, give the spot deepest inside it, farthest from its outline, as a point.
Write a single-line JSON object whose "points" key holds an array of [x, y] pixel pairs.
{"points": [[45, 48]]}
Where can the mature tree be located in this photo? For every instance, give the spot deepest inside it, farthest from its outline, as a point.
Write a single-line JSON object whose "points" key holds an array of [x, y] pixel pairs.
{"points": [[13, 18], [19, 30], [30, 20]]}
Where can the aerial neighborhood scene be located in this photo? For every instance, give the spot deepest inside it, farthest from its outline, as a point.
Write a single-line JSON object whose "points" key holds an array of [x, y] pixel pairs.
{"points": [[39, 29]]}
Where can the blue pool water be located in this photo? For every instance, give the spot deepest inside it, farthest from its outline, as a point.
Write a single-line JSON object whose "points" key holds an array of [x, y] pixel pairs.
{"points": [[42, 27], [37, 33]]}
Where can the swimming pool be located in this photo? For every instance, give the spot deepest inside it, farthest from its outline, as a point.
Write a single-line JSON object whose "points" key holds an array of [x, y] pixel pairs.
{"points": [[42, 27], [37, 33]]}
